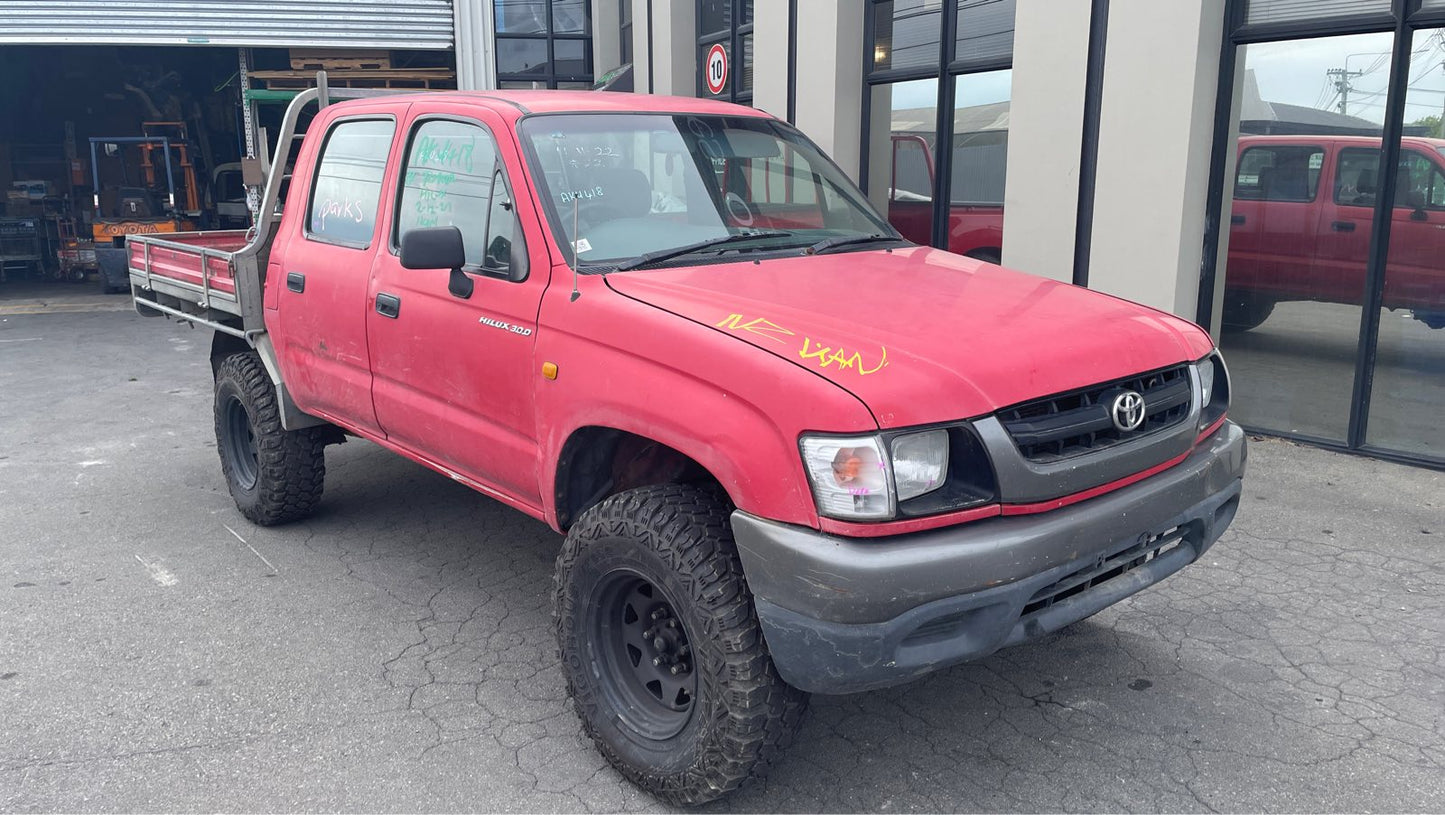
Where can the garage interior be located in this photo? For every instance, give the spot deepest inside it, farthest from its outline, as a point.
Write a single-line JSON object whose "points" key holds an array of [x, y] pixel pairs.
{"points": [[100, 141]]}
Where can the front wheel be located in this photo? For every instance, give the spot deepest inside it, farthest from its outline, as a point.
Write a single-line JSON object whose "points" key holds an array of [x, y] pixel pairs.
{"points": [[275, 475], [663, 653]]}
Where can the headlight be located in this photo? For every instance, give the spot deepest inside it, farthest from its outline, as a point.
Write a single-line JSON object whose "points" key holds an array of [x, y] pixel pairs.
{"points": [[898, 474], [850, 478], [920, 463], [1213, 380]]}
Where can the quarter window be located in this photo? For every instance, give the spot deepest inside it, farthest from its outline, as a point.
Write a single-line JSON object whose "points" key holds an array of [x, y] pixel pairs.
{"points": [[347, 191], [453, 178]]}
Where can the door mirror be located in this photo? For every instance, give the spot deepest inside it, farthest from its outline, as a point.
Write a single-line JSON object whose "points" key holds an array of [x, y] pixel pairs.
{"points": [[438, 247]]}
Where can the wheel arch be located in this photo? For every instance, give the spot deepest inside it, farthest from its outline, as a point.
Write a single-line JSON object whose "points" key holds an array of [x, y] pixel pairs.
{"points": [[598, 461]]}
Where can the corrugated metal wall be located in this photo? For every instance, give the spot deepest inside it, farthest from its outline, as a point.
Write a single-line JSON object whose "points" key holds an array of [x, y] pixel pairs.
{"points": [[399, 24]]}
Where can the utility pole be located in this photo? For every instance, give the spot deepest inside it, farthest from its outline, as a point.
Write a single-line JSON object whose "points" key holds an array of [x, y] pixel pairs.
{"points": [[1440, 128], [1342, 77]]}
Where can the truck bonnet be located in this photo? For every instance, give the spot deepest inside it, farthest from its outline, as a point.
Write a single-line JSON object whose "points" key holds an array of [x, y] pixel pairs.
{"points": [[920, 335]]}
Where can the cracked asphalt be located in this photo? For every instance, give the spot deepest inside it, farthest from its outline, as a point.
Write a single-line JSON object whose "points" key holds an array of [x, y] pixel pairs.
{"points": [[394, 653]]}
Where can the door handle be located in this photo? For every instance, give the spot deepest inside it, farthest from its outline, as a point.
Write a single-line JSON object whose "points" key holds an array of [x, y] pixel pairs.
{"points": [[1236, 219], [295, 281], [388, 305], [1342, 226]]}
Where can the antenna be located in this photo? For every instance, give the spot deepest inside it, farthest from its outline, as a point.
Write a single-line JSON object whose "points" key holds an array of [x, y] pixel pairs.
{"points": [[575, 239]]}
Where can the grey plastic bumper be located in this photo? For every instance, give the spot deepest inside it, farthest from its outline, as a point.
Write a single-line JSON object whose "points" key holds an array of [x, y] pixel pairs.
{"points": [[847, 614]]}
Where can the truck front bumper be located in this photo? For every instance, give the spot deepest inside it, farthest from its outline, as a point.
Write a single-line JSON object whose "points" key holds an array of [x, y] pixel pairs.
{"points": [[848, 614]]}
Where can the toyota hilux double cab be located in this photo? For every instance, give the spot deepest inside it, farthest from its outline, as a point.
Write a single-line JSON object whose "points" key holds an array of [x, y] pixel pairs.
{"points": [[790, 451]]}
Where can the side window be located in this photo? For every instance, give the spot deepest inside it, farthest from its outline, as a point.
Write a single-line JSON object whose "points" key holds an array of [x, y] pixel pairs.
{"points": [[452, 177], [912, 179], [1358, 177], [1279, 173], [347, 191], [1420, 184]]}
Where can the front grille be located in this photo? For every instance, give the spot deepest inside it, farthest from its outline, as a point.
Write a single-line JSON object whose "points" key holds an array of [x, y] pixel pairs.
{"points": [[1078, 422], [1109, 568]]}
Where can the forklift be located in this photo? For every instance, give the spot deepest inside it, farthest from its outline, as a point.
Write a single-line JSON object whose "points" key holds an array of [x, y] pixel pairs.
{"points": [[141, 205]]}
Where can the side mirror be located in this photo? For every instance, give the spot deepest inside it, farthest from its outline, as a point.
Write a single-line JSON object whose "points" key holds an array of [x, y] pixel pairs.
{"points": [[438, 248]]}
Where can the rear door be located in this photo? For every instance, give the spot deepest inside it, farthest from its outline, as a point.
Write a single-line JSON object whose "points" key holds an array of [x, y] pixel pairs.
{"points": [[1273, 220], [454, 376], [320, 273]]}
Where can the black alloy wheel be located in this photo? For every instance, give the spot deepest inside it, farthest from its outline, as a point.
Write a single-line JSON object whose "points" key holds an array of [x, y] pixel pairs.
{"points": [[645, 655]]}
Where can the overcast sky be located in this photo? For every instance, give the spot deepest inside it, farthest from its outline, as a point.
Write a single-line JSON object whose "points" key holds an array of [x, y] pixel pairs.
{"points": [[1292, 72]]}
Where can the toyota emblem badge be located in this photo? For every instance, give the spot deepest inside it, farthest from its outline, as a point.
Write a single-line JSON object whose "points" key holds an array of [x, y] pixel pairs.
{"points": [[1127, 411]]}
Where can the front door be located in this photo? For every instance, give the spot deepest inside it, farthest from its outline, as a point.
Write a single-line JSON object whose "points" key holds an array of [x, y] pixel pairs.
{"points": [[454, 376]]}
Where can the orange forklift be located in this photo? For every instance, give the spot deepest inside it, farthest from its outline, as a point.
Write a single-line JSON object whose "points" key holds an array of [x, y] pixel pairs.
{"points": [[146, 204]]}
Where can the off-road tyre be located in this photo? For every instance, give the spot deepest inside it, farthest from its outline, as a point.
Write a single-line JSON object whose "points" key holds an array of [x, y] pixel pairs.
{"points": [[275, 475], [1245, 310], [678, 539]]}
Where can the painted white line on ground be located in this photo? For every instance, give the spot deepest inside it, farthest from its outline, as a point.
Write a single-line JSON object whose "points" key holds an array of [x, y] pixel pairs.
{"points": [[159, 573], [273, 569], [25, 339]]}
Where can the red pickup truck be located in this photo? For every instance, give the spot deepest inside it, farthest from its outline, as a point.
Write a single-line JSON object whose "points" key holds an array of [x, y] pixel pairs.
{"points": [[790, 451]]}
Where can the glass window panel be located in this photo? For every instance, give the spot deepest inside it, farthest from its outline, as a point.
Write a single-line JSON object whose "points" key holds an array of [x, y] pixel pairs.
{"points": [[908, 113], [1409, 378], [906, 33], [980, 157], [516, 56], [448, 181], [714, 17], [985, 30], [1303, 11], [521, 16], [570, 16], [571, 58], [348, 182], [1295, 268], [747, 11]]}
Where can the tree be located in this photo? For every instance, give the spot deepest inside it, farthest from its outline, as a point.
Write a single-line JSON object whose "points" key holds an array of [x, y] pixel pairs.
{"points": [[1432, 124]]}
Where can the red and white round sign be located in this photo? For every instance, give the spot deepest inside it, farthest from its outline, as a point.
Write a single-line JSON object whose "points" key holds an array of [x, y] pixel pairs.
{"points": [[716, 69]]}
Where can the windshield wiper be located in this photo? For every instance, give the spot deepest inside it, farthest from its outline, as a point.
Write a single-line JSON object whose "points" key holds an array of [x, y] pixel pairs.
{"points": [[678, 251], [848, 240]]}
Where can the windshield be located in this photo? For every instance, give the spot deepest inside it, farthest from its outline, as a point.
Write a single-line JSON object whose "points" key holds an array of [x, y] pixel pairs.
{"points": [[624, 186]]}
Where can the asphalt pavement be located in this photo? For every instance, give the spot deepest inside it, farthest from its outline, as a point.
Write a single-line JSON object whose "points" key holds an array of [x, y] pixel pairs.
{"points": [[394, 653]]}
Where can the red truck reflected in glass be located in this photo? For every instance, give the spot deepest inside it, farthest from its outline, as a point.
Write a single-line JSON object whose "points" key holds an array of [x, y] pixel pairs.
{"points": [[1299, 227]]}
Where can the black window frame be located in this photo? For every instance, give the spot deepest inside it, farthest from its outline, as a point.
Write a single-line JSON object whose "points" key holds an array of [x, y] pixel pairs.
{"points": [[946, 70], [552, 77], [732, 40], [1406, 17], [315, 237], [404, 159]]}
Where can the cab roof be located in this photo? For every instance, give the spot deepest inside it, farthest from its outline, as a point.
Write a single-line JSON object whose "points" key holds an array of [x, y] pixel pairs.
{"points": [[517, 103]]}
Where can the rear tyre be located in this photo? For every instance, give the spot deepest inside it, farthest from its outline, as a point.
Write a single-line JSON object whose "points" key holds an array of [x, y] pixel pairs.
{"points": [[661, 647], [274, 475], [1245, 310]]}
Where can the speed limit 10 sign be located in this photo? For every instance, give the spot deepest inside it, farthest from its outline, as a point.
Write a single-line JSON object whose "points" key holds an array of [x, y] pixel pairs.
{"points": [[716, 69]]}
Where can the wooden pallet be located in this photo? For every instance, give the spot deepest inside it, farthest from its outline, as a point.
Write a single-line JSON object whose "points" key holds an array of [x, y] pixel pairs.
{"points": [[337, 59], [417, 78]]}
